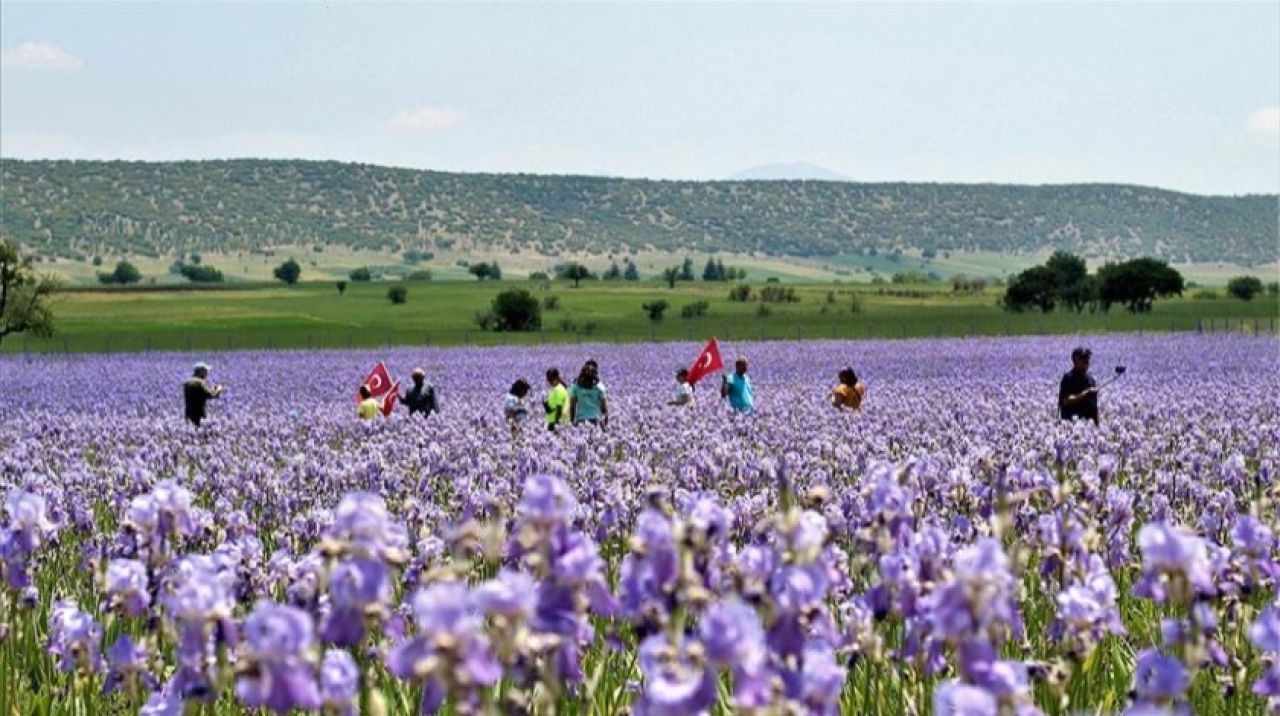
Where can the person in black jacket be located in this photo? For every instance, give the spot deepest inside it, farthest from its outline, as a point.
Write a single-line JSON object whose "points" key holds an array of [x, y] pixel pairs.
{"points": [[196, 392], [422, 397], [1078, 391]]}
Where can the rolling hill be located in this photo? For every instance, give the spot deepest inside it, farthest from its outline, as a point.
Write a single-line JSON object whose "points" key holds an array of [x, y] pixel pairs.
{"points": [[80, 209]]}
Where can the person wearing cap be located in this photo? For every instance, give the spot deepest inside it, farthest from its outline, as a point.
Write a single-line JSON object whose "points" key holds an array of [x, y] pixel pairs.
{"points": [[196, 392], [421, 398], [736, 386], [1078, 391], [849, 392]]}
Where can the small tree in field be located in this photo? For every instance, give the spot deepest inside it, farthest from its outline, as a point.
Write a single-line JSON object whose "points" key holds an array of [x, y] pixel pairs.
{"points": [[342, 287], [289, 271], [398, 294], [1244, 287], [24, 297], [655, 309], [576, 272], [516, 310]]}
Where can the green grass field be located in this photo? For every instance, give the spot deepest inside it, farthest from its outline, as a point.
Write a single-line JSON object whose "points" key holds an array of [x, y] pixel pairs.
{"points": [[443, 313]]}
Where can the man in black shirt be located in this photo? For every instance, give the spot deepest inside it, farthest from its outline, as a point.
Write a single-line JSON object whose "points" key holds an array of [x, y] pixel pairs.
{"points": [[1078, 391], [422, 397], [196, 392]]}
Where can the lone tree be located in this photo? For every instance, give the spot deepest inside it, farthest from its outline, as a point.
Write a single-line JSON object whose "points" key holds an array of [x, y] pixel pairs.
{"points": [[671, 275], [516, 310], [342, 287], [289, 271], [24, 297], [361, 274], [655, 309], [576, 272], [124, 273], [631, 273], [1244, 287], [481, 270], [397, 294], [1137, 283]]}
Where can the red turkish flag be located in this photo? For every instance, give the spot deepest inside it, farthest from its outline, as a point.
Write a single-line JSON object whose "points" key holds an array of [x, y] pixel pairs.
{"points": [[379, 382], [708, 362], [389, 401]]}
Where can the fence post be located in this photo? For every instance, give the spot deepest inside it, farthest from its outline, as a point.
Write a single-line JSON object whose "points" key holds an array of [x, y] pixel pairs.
{"points": [[1199, 325]]}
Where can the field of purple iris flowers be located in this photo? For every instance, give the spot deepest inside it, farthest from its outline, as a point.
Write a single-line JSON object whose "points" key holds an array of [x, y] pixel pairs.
{"points": [[953, 549]]}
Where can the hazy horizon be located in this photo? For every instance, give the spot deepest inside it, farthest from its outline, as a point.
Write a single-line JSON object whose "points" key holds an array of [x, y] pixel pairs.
{"points": [[1184, 97]]}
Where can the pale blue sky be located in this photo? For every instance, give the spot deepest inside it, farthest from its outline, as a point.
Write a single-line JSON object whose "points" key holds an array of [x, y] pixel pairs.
{"points": [[1184, 96]]}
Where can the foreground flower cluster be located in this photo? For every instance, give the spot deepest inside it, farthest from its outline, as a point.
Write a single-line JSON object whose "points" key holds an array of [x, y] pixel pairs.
{"points": [[954, 549]]}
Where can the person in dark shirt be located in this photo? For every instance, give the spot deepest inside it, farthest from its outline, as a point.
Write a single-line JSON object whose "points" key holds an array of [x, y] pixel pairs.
{"points": [[1078, 391], [421, 398], [196, 392]]}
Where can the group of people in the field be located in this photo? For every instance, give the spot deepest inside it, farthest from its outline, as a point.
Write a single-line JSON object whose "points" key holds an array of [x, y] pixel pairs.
{"points": [[586, 400]]}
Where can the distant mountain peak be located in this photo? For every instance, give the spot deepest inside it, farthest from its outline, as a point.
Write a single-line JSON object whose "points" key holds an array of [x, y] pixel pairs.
{"points": [[789, 171]]}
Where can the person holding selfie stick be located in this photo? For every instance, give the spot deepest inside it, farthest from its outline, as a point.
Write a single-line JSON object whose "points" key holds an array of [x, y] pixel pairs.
{"points": [[1078, 391]]}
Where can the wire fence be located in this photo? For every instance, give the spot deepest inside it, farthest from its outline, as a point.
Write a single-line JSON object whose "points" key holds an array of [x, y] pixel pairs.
{"points": [[689, 331]]}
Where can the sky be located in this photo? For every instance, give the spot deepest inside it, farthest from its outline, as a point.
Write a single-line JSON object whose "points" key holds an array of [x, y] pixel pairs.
{"points": [[1177, 95]]}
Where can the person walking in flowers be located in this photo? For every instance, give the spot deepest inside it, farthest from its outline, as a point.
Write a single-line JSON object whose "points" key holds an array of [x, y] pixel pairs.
{"points": [[736, 387], [197, 392]]}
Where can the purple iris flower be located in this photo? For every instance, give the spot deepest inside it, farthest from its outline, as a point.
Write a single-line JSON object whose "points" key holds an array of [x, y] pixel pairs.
{"points": [[1158, 678], [339, 682], [278, 674], [127, 663], [956, 699], [546, 501], [1171, 553], [449, 637], [675, 684], [28, 520], [357, 588], [1265, 634], [127, 586], [74, 637]]}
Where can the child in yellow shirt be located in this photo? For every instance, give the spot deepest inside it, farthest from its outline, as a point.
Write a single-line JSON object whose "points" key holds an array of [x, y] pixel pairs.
{"points": [[849, 392]]}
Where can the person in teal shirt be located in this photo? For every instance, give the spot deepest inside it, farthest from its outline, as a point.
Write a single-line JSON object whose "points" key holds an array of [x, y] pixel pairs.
{"points": [[586, 399], [737, 388]]}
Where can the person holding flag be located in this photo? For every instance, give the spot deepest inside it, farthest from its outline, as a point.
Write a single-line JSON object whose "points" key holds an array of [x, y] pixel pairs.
{"points": [[736, 386], [378, 388], [368, 407]]}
